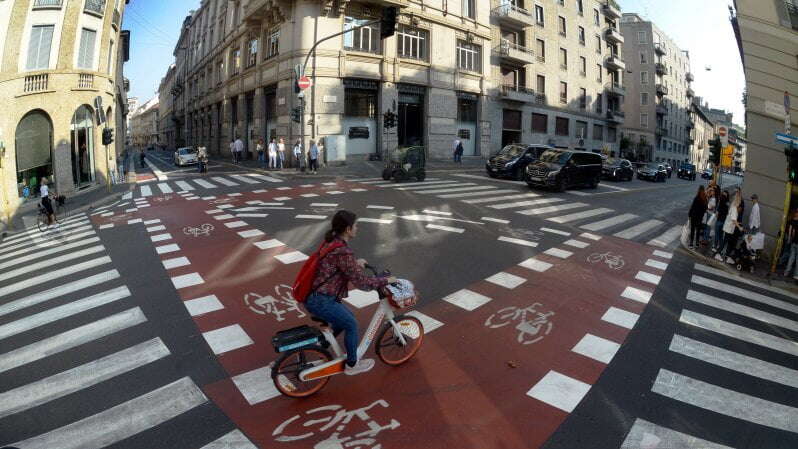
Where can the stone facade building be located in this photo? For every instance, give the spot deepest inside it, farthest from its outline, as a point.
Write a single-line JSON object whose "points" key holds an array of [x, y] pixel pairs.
{"points": [[659, 94], [701, 132], [57, 57], [145, 125], [166, 122]]}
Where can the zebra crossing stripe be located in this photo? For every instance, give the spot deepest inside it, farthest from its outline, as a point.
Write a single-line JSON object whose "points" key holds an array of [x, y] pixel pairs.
{"points": [[739, 332], [205, 184], [145, 191], [739, 309], [526, 203], [53, 275], [165, 187], [245, 179], [641, 228], [474, 194], [124, 420], [609, 222], [643, 434], [81, 377], [740, 279], [550, 209], [559, 390], [667, 237], [71, 338], [426, 183], [51, 262], [432, 187], [501, 198], [727, 288], [234, 439], [184, 185], [264, 177], [47, 252], [518, 241], [224, 181], [38, 239], [57, 292], [580, 215], [459, 189]]}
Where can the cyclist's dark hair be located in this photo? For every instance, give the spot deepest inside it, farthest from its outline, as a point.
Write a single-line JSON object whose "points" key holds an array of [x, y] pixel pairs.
{"points": [[342, 220]]}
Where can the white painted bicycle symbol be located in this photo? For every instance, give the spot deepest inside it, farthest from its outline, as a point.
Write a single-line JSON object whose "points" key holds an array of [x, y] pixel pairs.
{"points": [[204, 229], [278, 305], [163, 198], [322, 420], [613, 261], [532, 325]]}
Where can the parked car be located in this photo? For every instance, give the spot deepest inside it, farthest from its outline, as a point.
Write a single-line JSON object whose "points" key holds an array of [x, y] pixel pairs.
{"points": [[511, 161], [668, 168], [706, 174], [561, 169], [653, 171], [686, 171], [617, 170], [185, 156]]}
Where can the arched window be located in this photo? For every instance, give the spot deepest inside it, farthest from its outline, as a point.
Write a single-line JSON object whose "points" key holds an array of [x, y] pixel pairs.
{"points": [[82, 134], [33, 146]]}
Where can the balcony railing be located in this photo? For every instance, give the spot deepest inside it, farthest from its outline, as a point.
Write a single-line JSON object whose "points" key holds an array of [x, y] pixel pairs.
{"points": [[117, 19], [517, 93], [95, 7], [611, 11], [659, 68], [36, 83], [615, 116], [515, 52], [514, 14], [85, 81], [614, 62], [615, 88], [660, 49], [662, 89], [613, 35], [47, 4]]}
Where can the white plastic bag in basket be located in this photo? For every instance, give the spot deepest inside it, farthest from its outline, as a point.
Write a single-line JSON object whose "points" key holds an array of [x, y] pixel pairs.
{"points": [[404, 293]]}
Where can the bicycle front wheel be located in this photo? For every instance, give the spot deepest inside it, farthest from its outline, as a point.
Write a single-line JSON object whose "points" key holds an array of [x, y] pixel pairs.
{"points": [[389, 346], [285, 372]]}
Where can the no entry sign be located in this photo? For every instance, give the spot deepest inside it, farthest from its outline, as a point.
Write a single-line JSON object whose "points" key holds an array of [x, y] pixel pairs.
{"points": [[304, 82]]}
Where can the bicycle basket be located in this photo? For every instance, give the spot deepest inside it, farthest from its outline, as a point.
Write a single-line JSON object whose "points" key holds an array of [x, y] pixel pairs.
{"points": [[401, 295], [296, 337]]}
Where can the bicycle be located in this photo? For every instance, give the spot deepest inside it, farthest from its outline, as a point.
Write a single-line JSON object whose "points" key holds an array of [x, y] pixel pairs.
{"points": [[615, 262], [59, 212], [306, 364]]}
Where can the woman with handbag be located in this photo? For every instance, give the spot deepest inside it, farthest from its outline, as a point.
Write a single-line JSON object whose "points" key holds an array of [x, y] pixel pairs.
{"points": [[696, 215], [711, 216]]}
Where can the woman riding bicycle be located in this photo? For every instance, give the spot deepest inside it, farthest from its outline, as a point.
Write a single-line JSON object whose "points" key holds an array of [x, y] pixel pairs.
{"points": [[335, 271], [44, 193]]}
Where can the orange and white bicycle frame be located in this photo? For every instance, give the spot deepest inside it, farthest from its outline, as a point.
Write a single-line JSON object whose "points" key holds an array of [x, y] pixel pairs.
{"points": [[336, 366]]}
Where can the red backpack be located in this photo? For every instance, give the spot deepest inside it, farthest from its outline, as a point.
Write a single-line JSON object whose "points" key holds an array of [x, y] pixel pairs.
{"points": [[303, 284]]}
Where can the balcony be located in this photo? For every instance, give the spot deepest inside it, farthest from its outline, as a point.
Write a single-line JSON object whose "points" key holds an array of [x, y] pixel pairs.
{"points": [[35, 83], [615, 116], [116, 20], [96, 7], [611, 11], [614, 88], [660, 68], [514, 16], [85, 81], [661, 90], [515, 53], [613, 35], [521, 94], [661, 130], [690, 123], [614, 62], [689, 77], [690, 92], [47, 4], [661, 110], [660, 49]]}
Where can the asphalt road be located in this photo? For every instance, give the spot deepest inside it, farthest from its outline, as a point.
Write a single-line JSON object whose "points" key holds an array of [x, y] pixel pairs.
{"points": [[556, 320]]}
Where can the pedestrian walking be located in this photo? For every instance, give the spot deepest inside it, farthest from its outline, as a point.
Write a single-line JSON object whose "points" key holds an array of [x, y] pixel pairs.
{"points": [[281, 154], [239, 147], [202, 160], [455, 145], [261, 154], [711, 215], [233, 150], [142, 159], [300, 160], [272, 154], [754, 219], [313, 155], [732, 228], [722, 208], [791, 246], [696, 214]]}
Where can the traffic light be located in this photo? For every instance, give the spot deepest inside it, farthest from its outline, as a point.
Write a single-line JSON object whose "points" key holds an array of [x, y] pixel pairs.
{"points": [[714, 151], [108, 136], [792, 159], [296, 86], [296, 114], [388, 22]]}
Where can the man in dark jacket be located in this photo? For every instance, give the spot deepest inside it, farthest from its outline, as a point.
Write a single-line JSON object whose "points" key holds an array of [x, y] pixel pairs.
{"points": [[696, 214], [723, 211]]}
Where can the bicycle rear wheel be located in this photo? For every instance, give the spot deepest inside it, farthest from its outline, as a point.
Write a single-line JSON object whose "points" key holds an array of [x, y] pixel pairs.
{"points": [[41, 222], [389, 347], [285, 372]]}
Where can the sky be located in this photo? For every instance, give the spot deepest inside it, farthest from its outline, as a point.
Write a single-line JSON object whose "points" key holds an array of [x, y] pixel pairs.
{"points": [[699, 26]]}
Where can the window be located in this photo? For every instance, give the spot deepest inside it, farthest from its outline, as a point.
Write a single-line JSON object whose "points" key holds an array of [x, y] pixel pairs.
{"points": [[86, 52], [580, 8], [272, 45], [360, 103], [564, 59], [468, 56], [643, 77], [235, 61], [580, 130], [539, 15], [541, 86], [612, 134], [563, 92], [641, 37], [583, 66], [111, 58], [252, 57], [540, 123], [598, 132], [599, 103], [469, 9], [596, 17], [644, 120], [366, 39], [598, 44], [644, 99], [220, 72], [561, 126], [599, 73], [582, 98], [581, 35], [643, 57], [541, 48], [411, 43], [562, 26], [41, 38]]}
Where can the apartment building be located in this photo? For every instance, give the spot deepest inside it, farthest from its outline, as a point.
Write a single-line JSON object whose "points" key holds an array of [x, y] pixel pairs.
{"points": [[145, 124], [235, 61], [659, 92], [559, 73], [702, 130], [166, 117], [58, 56]]}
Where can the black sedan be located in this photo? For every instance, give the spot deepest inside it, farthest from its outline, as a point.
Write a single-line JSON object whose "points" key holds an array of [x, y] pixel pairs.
{"points": [[686, 171], [653, 171], [617, 170]]}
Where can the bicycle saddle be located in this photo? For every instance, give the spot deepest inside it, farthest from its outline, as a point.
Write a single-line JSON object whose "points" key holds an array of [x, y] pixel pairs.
{"points": [[321, 321]]}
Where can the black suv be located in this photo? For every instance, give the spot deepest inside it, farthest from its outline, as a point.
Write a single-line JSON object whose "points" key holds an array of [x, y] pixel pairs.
{"points": [[653, 171], [617, 170], [686, 171], [511, 161], [561, 169]]}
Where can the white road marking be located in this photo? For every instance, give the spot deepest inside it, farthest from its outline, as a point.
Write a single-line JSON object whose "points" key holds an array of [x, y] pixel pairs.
{"points": [[518, 241], [494, 199], [51, 275], [495, 220], [375, 220], [305, 195], [235, 224], [427, 322], [663, 254], [590, 236], [106, 226], [253, 215], [47, 252], [459, 189], [166, 249], [620, 317], [260, 191], [526, 203], [58, 291], [225, 206], [235, 194], [164, 187], [390, 184], [124, 420], [335, 192], [641, 228], [726, 402], [177, 262], [70, 339], [506, 280], [358, 190], [187, 280], [256, 386], [743, 280], [107, 214], [739, 332], [286, 198], [560, 391], [214, 211], [223, 217], [232, 440], [644, 434], [311, 217], [742, 310], [609, 222], [475, 194], [145, 191], [49, 263], [184, 185], [248, 234], [436, 212], [227, 339], [555, 231], [467, 299], [264, 177], [596, 348], [536, 265], [747, 294], [578, 193], [201, 306], [323, 204], [667, 237], [133, 209], [204, 184], [371, 206], [580, 215], [576, 243], [656, 264], [134, 221], [556, 252], [445, 228], [636, 294], [152, 222], [550, 209], [244, 179], [161, 237], [267, 244], [81, 377], [292, 257], [426, 187], [224, 181]]}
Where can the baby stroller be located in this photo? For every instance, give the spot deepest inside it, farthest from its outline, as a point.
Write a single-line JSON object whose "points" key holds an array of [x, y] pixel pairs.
{"points": [[747, 252]]}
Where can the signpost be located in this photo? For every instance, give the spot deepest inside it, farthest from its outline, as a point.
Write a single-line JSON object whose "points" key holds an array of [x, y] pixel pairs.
{"points": [[304, 82]]}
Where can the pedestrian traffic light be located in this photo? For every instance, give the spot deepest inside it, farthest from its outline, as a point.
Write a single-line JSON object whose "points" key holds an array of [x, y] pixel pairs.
{"points": [[714, 151], [296, 114], [792, 163], [388, 22], [108, 136]]}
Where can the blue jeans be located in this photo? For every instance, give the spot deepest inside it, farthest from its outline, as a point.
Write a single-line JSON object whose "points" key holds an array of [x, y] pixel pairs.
{"points": [[793, 249], [339, 317], [719, 235]]}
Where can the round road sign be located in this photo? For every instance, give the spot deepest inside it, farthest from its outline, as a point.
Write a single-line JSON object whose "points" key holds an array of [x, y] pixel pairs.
{"points": [[304, 82]]}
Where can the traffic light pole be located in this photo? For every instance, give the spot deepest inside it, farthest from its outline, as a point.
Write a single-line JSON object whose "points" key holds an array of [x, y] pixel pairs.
{"points": [[107, 164], [784, 215]]}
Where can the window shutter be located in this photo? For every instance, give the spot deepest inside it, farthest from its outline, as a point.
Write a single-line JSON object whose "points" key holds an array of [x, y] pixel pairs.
{"points": [[86, 53], [46, 39], [33, 48]]}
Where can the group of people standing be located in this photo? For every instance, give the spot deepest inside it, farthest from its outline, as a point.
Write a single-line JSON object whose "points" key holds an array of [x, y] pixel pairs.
{"points": [[721, 213], [274, 153]]}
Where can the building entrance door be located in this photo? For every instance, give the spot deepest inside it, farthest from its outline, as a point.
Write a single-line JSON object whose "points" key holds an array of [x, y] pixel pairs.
{"points": [[33, 148], [411, 119], [82, 143], [511, 127]]}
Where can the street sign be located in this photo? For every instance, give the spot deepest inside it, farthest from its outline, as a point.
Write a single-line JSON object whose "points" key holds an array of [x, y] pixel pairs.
{"points": [[304, 82], [723, 133], [786, 139]]}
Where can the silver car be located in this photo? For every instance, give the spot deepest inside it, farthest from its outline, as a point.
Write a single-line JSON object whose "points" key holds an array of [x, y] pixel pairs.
{"points": [[185, 156]]}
